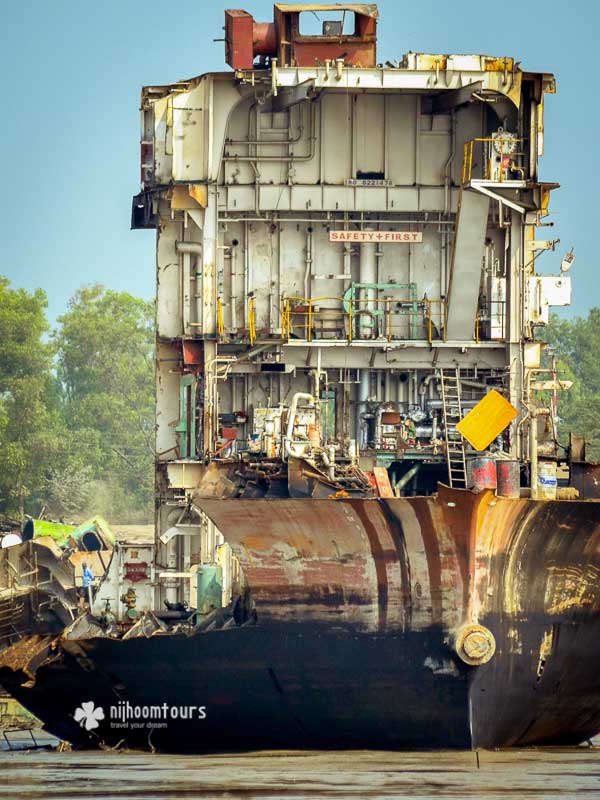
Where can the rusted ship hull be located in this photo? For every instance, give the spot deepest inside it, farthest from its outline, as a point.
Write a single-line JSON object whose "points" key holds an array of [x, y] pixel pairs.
{"points": [[361, 610], [261, 688]]}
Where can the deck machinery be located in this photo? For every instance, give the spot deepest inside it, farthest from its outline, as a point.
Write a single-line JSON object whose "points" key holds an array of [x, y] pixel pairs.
{"points": [[336, 240]]}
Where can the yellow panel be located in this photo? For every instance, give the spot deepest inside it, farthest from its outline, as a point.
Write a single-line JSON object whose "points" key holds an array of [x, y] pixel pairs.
{"points": [[487, 420], [188, 197], [180, 199], [200, 193], [498, 64]]}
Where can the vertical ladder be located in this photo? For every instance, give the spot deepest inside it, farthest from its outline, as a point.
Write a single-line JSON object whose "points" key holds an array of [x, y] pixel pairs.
{"points": [[452, 410]]}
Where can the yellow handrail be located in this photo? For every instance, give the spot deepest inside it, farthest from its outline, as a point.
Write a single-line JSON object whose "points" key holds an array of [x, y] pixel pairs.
{"points": [[306, 308], [467, 169], [220, 322], [252, 320], [286, 321]]}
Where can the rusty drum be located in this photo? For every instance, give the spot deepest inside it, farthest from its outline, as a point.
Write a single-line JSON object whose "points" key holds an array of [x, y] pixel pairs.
{"points": [[509, 478], [483, 474]]}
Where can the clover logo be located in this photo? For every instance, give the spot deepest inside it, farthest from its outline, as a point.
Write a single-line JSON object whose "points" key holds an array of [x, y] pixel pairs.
{"points": [[88, 716]]}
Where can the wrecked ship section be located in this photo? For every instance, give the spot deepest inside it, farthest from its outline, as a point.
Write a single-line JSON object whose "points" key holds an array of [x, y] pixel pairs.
{"points": [[443, 621], [346, 257], [358, 536]]}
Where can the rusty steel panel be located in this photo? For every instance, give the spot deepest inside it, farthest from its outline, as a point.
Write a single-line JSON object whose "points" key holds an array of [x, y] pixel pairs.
{"points": [[309, 561], [538, 591], [585, 477], [245, 39], [377, 565], [295, 49], [366, 9], [239, 50]]}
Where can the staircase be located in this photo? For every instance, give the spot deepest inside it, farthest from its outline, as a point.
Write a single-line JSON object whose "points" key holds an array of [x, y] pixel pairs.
{"points": [[466, 264], [452, 410]]}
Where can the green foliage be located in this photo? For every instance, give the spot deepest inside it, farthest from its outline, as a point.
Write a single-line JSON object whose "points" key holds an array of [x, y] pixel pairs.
{"points": [[30, 426], [105, 366], [76, 410], [576, 343], [22, 327]]}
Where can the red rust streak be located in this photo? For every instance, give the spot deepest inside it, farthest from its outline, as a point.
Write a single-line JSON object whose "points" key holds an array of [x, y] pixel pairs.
{"points": [[397, 534], [379, 558], [432, 552]]}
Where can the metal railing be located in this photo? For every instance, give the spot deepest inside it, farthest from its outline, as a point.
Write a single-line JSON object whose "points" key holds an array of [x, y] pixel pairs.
{"points": [[252, 319], [220, 321], [363, 319], [371, 318], [507, 155]]}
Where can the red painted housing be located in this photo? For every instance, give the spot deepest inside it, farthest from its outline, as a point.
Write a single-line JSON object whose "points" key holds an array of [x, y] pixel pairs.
{"points": [[246, 39]]}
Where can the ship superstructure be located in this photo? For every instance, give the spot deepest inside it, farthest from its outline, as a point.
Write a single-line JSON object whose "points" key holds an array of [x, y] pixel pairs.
{"points": [[346, 265]]}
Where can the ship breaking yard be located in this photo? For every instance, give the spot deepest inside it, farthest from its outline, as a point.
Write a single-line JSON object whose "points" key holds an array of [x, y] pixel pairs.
{"points": [[374, 572]]}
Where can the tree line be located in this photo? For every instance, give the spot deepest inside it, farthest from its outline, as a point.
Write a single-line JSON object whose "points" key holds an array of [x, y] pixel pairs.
{"points": [[576, 344], [76, 406]]}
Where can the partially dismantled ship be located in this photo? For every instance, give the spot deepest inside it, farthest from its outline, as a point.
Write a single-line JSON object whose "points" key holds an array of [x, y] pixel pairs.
{"points": [[361, 539]]}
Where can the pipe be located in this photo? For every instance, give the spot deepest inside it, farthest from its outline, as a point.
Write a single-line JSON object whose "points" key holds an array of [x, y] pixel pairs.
{"points": [[533, 453], [193, 248], [187, 250], [267, 142], [232, 288], [363, 396], [328, 457], [408, 476], [284, 159], [447, 165], [308, 261], [533, 447], [437, 404], [423, 388], [328, 220], [246, 273], [171, 584], [367, 275], [476, 384], [288, 440]]}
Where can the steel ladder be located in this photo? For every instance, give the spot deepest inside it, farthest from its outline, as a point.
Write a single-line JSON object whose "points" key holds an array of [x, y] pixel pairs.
{"points": [[452, 410]]}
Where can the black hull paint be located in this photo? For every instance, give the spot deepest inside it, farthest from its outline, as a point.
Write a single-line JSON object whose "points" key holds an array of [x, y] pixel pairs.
{"points": [[268, 689], [523, 699], [263, 689]]}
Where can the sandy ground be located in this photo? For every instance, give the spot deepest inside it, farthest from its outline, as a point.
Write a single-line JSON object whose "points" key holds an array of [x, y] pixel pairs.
{"points": [[554, 773]]}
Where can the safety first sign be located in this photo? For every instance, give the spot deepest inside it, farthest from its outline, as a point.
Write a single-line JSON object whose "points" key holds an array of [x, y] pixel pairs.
{"points": [[390, 237]]}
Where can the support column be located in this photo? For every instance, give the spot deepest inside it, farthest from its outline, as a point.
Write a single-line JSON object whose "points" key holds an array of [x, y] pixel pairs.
{"points": [[207, 312]]}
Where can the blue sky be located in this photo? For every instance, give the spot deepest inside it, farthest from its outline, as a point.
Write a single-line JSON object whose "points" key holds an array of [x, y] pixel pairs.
{"points": [[72, 73]]}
